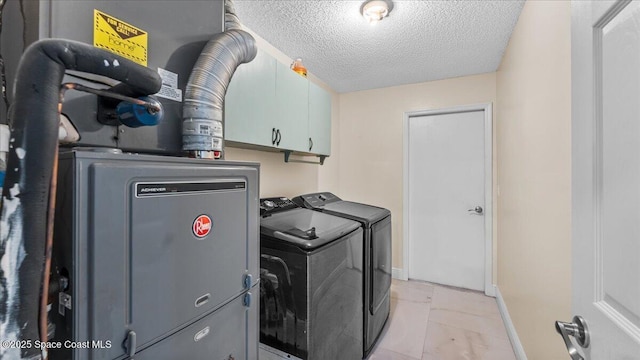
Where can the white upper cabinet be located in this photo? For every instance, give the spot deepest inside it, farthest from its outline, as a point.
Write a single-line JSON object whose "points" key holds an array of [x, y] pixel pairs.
{"points": [[319, 120], [270, 106], [250, 102], [292, 100]]}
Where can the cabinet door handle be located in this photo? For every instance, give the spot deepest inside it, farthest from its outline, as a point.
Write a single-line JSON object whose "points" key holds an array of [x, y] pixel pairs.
{"points": [[278, 137], [273, 136], [310, 144]]}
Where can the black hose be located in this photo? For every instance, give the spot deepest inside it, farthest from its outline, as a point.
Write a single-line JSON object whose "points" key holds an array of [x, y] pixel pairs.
{"points": [[34, 135]]}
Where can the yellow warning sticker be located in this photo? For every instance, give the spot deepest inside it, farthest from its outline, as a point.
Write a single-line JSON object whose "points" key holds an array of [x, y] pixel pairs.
{"points": [[119, 37]]}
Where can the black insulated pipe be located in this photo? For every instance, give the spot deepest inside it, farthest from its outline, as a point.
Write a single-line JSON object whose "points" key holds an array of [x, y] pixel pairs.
{"points": [[34, 123]]}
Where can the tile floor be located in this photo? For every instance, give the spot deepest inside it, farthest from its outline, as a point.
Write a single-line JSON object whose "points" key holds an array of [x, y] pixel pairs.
{"points": [[433, 322]]}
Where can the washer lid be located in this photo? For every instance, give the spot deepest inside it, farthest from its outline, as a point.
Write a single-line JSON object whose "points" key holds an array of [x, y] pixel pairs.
{"points": [[305, 228], [367, 214]]}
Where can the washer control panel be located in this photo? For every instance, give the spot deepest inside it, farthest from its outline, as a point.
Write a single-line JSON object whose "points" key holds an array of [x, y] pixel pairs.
{"points": [[273, 205], [316, 201]]}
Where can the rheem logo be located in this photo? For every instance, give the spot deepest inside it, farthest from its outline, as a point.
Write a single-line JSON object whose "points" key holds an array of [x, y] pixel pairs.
{"points": [[202, 226]]}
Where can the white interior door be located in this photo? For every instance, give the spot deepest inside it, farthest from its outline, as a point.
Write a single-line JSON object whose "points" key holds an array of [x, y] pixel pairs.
{"points": [[606, 177], [446, 185]]}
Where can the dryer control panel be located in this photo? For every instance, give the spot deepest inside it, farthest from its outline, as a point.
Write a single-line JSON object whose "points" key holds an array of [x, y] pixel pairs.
{"points": [[272, 205]]}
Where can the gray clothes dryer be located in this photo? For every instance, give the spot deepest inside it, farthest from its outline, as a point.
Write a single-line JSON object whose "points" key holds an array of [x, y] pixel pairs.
{"points": [[311, 276], [376, 223]]}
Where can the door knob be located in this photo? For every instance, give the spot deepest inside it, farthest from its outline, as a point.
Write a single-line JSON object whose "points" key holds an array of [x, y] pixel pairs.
{"points": [[477, 210], [577, 329]]}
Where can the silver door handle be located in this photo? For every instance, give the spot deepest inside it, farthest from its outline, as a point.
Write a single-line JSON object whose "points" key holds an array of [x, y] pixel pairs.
{"points": [[577, 329], [477, 210]]}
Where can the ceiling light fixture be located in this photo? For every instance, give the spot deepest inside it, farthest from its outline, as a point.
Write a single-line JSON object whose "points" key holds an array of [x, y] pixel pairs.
{"points": [[376, 10]]}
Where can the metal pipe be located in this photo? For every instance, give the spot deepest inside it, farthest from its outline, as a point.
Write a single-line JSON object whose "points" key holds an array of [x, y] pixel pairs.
{"points": [[48, 249], [150, 107], [202, 126], [25, 196]]}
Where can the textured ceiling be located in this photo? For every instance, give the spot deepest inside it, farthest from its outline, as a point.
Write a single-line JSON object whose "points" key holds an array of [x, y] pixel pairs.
{"points": [[419, 40]]}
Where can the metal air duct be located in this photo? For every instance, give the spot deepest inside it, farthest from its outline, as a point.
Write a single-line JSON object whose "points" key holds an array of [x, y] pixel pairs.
{"points": [[202, 127]]}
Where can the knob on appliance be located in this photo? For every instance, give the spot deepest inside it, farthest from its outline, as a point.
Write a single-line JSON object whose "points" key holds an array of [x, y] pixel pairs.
{"points": [[268, 204]]}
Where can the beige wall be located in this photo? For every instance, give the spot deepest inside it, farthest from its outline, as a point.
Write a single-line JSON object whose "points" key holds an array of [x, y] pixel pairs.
{"points": [[278, 178], [534, 176], [370, 144]]}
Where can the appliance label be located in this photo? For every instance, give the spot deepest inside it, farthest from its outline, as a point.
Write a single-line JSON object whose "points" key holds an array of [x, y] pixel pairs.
{"points": [[202, 226], [169, 89], [155, 189], [170, 93], [168, 78], [120, 38]]}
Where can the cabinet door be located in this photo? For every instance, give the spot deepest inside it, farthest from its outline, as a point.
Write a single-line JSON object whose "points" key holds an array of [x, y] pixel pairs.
{"points": [[250, 102], [319, 120], [292, 94]]}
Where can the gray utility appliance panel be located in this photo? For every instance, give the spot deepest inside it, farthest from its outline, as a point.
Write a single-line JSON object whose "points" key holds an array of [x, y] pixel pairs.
{"points": [[177, 32], [125, 236]]}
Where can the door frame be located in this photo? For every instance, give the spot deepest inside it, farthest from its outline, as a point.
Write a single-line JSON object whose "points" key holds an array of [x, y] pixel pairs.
{"points": [[489, 288]]}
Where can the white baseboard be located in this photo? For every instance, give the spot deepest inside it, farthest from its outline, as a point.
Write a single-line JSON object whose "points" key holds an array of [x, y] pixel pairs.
{"points": [[511, 330], [490, 291], [397, 273]]}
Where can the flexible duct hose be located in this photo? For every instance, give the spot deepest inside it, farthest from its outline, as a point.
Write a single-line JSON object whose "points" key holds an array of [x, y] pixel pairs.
{"points": [[231, 21], [34, 137], [204, 94]]}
